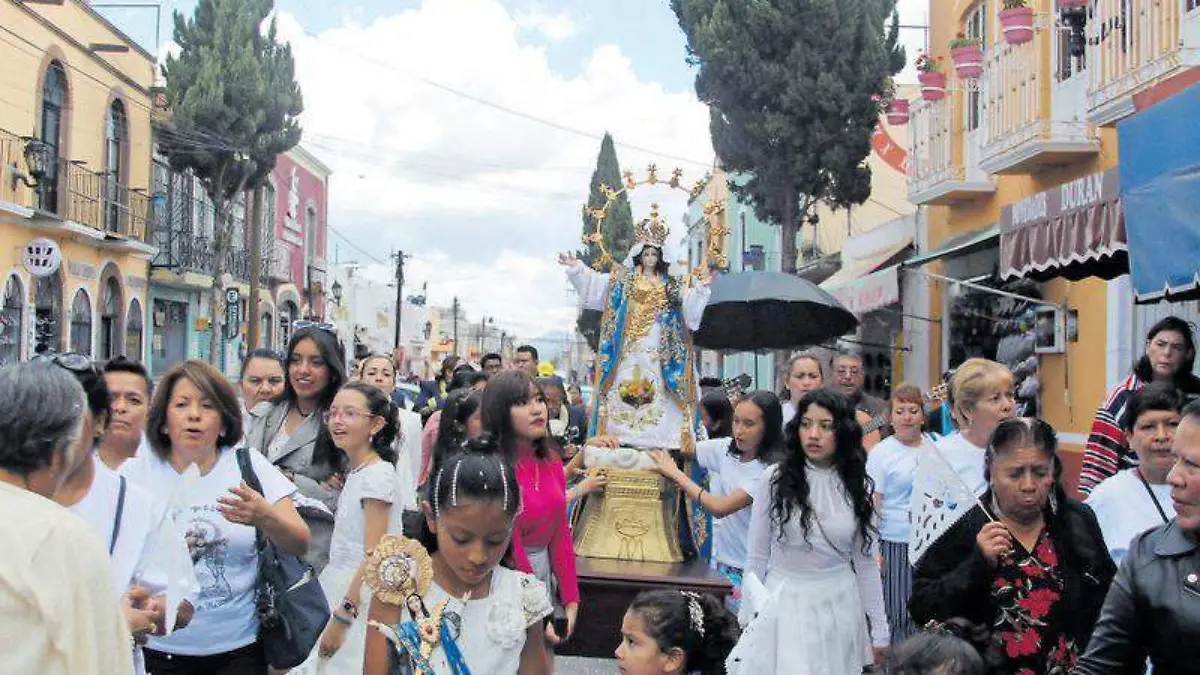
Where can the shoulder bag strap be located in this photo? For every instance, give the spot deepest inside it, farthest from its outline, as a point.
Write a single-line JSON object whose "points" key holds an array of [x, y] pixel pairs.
{"points": [[1161, 513], [116, 530], [251, 479]]}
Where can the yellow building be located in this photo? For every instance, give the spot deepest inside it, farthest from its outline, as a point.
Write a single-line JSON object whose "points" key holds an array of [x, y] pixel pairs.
{"points": [[74, 173], [1018, 170]]}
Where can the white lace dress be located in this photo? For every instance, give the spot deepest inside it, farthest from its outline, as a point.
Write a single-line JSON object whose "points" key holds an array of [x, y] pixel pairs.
{"points": [[376, 480], [493, 629]]}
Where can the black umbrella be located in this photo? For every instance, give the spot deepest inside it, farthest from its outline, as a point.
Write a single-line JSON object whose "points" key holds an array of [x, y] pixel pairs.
{"points": [[749, 311]]}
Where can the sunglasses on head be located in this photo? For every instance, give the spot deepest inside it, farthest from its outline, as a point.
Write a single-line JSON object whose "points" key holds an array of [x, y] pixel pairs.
{"points": [[72, 361], [319, 325]]}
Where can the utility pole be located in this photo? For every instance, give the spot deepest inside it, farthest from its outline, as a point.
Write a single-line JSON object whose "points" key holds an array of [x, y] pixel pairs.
{"points": [[399, 256], [256, 266], [455, 309]]}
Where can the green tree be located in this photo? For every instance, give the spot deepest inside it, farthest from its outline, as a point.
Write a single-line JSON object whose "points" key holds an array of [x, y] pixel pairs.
{"points": [[234, 106], [794, 90], [617, 229]]}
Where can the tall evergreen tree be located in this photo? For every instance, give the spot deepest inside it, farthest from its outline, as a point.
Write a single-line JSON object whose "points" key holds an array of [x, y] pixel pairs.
{"points": [[234, 106], [617, 229], [793, 88]]}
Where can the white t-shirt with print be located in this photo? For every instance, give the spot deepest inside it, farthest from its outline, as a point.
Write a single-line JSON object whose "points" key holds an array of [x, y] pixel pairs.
{"points": [[892, 465], [728, 474], [226, 563]]}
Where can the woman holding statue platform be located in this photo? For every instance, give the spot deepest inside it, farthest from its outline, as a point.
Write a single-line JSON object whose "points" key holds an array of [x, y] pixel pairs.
{"points": [[646, 392]]}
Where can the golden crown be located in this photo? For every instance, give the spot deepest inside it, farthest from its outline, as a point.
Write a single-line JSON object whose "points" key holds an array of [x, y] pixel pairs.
{"points": [[652, 230]]}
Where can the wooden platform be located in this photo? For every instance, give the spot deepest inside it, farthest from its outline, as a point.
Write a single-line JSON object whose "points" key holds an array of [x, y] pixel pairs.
{"points": [[607, 587]]}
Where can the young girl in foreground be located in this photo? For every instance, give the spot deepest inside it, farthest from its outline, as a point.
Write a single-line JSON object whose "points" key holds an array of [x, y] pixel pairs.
{"points": [[675, 632], [472, 501]]}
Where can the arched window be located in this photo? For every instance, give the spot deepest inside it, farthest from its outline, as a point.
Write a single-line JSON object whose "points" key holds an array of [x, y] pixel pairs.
{"points": [[133, 331], [81, 323], [48, 304], [110, 319], [54, 101], [116, 137], [264, 327], [310, 231], [287, 314], [11, 321]]}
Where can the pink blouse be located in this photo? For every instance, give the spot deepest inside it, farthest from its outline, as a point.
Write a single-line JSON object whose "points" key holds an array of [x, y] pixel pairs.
{"points": [[542, 522]]}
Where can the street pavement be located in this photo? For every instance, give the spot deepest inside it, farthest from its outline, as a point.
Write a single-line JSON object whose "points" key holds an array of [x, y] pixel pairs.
{"points": [[574, 665]]}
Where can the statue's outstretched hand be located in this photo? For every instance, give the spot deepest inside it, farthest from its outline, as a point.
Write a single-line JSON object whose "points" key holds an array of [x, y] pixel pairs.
{"points": [[567, 259]]}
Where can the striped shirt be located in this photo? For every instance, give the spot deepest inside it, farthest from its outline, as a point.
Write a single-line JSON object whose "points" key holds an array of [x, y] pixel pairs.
{"points": [[1107, 450]]}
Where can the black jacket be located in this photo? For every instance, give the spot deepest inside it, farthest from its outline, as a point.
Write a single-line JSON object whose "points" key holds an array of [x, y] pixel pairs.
{"points": [[1152, 609], [954, 580]]}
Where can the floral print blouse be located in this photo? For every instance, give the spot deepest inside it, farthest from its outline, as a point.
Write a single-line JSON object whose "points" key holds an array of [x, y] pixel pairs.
{"points": [[1028, 592]]}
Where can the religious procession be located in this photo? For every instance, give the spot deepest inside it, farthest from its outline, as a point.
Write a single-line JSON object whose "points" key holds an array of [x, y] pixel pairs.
{"points": [[854, 374]]}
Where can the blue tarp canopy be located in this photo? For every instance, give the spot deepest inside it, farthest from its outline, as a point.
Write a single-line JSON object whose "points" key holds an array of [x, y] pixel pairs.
{"points": [[1160, 187]]}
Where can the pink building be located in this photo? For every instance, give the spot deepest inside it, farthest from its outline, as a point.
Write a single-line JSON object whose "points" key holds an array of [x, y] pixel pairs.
{"points": [[297, 201]]}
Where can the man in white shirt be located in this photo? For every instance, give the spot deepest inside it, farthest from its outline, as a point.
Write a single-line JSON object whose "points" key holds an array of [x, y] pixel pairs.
{"points": [[129, 389]]}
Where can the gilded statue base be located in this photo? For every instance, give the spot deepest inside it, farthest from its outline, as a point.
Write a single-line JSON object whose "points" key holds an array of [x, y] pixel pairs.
{"points": [[634, 518]]}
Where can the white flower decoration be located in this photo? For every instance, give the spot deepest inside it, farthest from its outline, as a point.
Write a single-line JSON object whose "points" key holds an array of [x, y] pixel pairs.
{"points": [[506, 625], [535, 599]]}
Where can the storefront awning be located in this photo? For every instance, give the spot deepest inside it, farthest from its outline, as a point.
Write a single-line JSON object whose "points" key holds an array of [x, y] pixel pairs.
{"points": [[1160, 179], [864, 287], [962, 244], [1076, 231]]}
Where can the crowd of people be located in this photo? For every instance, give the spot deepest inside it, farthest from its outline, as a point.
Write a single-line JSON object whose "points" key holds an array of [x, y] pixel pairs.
{"points": [[133, 537]]}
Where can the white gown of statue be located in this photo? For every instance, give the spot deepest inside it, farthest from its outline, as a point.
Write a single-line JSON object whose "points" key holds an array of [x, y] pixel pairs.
{"points": [[624, 411], [377, 480]]}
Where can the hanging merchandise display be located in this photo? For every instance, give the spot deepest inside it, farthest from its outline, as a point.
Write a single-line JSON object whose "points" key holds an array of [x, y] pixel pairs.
{"points": [[1001, 329]]}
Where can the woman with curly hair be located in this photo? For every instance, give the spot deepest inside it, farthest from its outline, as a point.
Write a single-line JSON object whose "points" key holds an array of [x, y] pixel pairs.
{"points": [[814, 545]]}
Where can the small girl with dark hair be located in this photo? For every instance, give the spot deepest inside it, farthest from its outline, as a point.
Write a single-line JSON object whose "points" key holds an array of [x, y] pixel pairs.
{"points": [[459, 422], [674, 633], [493, 615], [362, 422], [814, 545], [951, 648]]}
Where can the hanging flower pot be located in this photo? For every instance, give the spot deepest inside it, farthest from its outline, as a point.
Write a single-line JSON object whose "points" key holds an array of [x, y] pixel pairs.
{"points": [[967, 56], [897, 112], [933, 85], [1017, 21]]}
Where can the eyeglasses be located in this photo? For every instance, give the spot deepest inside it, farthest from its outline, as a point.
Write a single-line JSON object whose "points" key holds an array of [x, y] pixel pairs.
{"points": [[72, 361], [349, 414], [319, 325]]}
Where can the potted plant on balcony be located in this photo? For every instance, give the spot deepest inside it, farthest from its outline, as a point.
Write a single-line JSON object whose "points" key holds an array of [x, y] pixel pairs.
{"points": [[931, 77], [967, 55], [894, 109], [1017, 20]]}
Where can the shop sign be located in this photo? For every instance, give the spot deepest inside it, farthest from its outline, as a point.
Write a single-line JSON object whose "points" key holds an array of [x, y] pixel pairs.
{"points": [[871, 292], [233, 318], [1077, 195], [41, 257]]}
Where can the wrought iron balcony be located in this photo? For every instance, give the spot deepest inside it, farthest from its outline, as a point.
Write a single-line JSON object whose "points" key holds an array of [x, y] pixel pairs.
{"points": [[936, 173], [66, 190], [1032, 120], [1134, 45]]}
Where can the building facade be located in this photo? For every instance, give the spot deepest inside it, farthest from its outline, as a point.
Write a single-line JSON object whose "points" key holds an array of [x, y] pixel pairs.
{"points": [[74, 181], [1019, 167]]}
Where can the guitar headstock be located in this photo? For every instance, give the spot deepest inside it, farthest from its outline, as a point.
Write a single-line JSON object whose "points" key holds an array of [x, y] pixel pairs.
{"points": [[938, 395]]}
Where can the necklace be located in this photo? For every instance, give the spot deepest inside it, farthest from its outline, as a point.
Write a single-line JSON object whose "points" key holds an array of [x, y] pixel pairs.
{"points": [[365, 463]]}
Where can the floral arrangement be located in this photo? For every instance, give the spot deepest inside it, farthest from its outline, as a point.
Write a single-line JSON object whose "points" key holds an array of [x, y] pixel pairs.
{"points": [[928, 64], [1015, 4], [637, 391], [961, 40]]}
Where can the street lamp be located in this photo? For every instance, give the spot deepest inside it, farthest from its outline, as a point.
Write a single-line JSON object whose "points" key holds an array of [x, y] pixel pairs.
{"points": [[336, 289], [38, 158]]}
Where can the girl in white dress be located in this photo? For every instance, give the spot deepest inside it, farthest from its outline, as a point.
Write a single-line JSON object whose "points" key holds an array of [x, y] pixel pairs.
{"points": [[362, 423], [813, 544], [493, 615]]}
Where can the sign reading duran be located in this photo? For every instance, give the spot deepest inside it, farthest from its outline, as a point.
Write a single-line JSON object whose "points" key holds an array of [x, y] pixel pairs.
{"points": [[233, 317], [41, 257], [871, 292], [1074, 230]]}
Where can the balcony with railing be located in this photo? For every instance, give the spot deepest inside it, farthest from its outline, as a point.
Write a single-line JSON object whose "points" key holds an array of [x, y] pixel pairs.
{"points": [[1026, 127], [936, 174], [1133, 45], [63, 193], [180, 229]]}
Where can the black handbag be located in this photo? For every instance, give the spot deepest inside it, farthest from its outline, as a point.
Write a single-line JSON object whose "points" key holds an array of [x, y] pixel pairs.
{"points": [[292, 609]]}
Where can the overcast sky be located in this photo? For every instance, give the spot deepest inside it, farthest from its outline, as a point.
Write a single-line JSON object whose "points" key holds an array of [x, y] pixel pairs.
{"points": [[465, 131]]}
